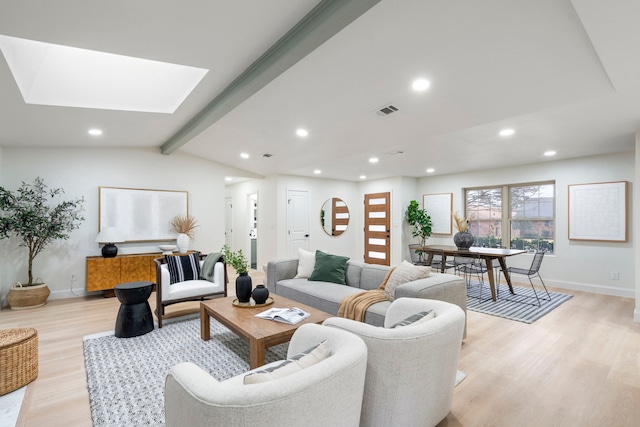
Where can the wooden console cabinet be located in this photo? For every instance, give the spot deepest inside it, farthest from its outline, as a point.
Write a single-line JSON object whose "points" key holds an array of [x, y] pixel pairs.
{"points": [[106, 273]]}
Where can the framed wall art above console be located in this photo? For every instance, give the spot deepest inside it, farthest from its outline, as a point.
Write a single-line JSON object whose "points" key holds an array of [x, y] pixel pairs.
{"points": [[141, 215]]}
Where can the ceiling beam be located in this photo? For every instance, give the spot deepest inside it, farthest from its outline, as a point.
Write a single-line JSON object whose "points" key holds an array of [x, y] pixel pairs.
{"points": [[318, 26]]}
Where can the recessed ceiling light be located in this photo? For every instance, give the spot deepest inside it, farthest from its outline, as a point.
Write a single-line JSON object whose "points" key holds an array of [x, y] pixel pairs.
{"points": [[244, 155], [506, 132], [228, 178], [363, 177], [302, 132], [420, 85], [549, 153], [51, 74], [431, 170], [373, 160], [317, 171], [95, 132]]}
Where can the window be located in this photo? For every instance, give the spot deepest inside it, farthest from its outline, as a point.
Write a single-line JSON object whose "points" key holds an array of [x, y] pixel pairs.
{"points": [[532, 213], [484, 209], [526, 221]]}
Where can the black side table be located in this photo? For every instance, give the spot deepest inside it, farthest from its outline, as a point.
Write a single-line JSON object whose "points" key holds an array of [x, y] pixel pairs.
{"points": [[134, 317]]}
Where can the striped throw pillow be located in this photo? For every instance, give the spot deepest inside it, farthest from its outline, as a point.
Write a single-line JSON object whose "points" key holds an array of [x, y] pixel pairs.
{"points": [[183, 267]]}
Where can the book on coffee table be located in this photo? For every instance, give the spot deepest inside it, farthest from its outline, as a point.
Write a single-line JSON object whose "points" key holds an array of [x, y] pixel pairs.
{"points": [[284, 315]]}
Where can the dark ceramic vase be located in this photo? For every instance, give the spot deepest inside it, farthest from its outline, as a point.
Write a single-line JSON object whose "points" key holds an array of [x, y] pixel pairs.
{"points": [[463, 240], [243, 287], [260, 294]]}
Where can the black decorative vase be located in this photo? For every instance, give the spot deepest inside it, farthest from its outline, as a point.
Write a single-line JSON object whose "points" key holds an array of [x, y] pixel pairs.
{"points": [[463, 240], [260, 294], [243, 287]]}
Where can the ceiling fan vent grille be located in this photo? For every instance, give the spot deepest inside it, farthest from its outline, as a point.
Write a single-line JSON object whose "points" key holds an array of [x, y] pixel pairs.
{"points": [[386, 110]]}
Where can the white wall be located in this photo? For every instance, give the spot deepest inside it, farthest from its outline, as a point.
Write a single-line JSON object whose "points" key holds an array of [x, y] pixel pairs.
{"points": [[575, 265], [636, 230], [80, 172], [319, 190]]}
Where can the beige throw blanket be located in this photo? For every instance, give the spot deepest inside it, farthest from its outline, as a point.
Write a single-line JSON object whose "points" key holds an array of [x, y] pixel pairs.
{"points": [[355, 306]]}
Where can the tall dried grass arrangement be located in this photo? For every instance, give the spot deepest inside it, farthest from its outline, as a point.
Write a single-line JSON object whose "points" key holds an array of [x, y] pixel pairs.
{"points": [[184, 224], [462, 224]]}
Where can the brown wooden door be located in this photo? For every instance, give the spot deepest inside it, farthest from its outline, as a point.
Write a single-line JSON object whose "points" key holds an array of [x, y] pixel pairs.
{"points": [[377, 228]]}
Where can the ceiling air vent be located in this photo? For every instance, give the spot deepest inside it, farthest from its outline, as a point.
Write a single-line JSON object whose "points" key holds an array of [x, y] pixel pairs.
{"points": [[267, 155], [386, 110]]}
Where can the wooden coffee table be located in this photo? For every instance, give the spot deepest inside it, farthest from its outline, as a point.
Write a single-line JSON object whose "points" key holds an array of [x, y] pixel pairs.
{"points": [[260, 333]]}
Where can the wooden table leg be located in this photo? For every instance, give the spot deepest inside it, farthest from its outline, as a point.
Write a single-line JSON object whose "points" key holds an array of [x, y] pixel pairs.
{"points": [[503, 266], [429, 258], [492, 283], [205, 324], [256, 353]]}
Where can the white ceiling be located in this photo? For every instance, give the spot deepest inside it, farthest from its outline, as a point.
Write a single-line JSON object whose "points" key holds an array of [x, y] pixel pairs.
{"points": [[563, 74]]}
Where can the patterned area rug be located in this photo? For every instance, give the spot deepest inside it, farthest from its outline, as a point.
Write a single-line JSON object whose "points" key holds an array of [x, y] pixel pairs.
{"points": [[125, 376], [522, 306]]}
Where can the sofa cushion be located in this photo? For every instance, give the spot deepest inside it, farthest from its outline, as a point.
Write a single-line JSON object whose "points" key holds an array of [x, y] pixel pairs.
{"points": [[405, 272], [324, 296], [306, 263], [353, 273], [372, 276], [183, 267], [297, 363], [329, 268]]}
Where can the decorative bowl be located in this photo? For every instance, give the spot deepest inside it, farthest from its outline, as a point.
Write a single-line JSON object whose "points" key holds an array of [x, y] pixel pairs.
{"points": [[167, 249]]}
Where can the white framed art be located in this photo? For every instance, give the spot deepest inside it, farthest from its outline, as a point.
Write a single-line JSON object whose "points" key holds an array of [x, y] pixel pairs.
{"points": [[439, 207], [141, 215], [598, 211]]}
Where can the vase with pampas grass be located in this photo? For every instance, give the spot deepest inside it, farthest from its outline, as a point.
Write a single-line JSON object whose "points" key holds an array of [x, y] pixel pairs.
{"points": [[184, 225], [463, 239]]}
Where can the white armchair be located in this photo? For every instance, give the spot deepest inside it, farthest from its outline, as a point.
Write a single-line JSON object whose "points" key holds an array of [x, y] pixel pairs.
{"points": [[328, 393], [411, 370], [189, 290]]}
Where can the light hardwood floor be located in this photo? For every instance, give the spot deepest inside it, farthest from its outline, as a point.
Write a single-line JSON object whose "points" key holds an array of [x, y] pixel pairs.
{"points": [[577, 366]]}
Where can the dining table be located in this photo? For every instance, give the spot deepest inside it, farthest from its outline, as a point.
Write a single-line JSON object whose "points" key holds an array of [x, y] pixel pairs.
{"points": [[487, 254]]}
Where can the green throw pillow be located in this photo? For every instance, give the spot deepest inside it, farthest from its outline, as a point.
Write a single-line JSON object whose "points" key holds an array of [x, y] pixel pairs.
{"points": [[329, 268]]}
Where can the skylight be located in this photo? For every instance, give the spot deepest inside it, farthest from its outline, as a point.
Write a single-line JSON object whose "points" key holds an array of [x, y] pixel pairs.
{"points": [[50, 74]]}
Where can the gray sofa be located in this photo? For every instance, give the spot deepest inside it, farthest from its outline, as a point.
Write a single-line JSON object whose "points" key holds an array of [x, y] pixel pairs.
{"points": [[360, 277]]}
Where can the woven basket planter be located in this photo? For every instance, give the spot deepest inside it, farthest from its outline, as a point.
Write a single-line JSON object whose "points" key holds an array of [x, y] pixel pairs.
{"points": [[25, 297], [18, 358]]}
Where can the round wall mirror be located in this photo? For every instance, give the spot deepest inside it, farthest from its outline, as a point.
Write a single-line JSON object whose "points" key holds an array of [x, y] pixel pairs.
{"points": [[334, 216]]}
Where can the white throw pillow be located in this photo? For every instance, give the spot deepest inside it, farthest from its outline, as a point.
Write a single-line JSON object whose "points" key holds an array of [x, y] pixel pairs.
{"points": [[306, 263], [405, 272]]}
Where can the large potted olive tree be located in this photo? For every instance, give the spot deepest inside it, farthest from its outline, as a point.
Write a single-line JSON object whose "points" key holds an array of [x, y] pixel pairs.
{"points": [[30, 215]]}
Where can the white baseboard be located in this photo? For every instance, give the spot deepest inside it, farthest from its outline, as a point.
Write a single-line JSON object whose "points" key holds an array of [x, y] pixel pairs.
{"points": [[594, 289], [69, 294]]}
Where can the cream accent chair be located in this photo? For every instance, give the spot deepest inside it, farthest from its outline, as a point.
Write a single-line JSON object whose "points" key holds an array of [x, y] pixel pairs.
{"points": [[189, 290], [328, 393], [411, 370]]}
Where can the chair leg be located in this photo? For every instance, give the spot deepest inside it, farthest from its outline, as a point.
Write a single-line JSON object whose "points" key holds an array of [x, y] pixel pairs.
{"points": [[534, 289]]}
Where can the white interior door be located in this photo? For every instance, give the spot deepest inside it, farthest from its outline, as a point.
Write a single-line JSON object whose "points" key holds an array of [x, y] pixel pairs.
{"points": [[297, 221], [228, 221]]}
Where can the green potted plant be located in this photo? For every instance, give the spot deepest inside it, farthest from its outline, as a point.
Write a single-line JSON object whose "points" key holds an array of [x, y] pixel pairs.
{"points": [[239, 262], [29, 214], [420, 221]]}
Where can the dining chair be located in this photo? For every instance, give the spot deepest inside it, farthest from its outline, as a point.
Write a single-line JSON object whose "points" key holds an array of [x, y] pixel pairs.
{"points": [[437, 260], [533, 271], [470, 266]]}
